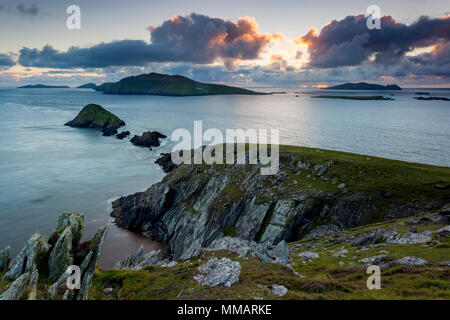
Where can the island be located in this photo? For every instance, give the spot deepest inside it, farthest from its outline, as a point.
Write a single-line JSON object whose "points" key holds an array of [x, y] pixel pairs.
{"points": [[95, 117], [432, 98], [87, 86], [363, 86], [353, 97], [42, 86], [168, 85]]}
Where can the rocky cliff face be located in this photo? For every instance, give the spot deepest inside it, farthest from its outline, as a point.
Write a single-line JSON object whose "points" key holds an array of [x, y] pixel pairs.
{"points": [[314, 193]]}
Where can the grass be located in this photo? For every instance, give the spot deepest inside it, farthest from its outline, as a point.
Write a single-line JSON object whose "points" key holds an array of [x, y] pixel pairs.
{"points": [[322, 278]]}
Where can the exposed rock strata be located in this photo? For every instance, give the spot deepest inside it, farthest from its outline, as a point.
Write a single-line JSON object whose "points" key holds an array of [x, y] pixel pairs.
{"points": [[195, 205]]}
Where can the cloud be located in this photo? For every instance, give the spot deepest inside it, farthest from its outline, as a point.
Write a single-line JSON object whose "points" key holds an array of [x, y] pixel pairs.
{"points": [[349, 42], [195, 39], [5, 61], [31, 11]]}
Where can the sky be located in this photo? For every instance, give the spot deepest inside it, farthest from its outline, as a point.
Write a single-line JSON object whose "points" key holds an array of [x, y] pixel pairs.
{"points": [[249, 43]]}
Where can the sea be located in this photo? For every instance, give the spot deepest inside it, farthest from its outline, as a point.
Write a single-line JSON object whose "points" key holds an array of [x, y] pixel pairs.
{"points": [[47, 168]]}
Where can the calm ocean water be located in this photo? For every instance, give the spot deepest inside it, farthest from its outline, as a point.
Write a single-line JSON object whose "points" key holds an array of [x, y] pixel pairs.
{"points": [[47, 168]]}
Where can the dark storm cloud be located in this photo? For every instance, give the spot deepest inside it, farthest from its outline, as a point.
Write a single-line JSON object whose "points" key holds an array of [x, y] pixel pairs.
{"points": [[30, 11], [6, 61], [349, 42], [195, 39]]}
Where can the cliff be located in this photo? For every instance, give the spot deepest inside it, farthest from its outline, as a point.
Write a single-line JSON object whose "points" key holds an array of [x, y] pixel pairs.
{"points": [[315, 193]]}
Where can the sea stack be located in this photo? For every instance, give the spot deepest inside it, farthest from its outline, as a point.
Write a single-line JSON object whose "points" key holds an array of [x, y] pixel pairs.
{"points": [[95, 117], [148, 139]]}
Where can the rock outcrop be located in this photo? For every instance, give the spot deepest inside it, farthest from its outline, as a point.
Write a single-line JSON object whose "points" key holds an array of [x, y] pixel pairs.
{"points": [[148, 139], [122, 135], [218, 272], [49, 259], [165, 162], [95, 117], [194, 205]]}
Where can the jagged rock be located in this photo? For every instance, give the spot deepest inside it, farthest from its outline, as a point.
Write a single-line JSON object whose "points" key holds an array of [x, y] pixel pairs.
{"points": [[165, 161], [122, 135], [411, 261], [76, 222], [435, 217], [99, 238], [95, 117], [148, 139], [139, 260], [281, 253], [218, 272], [5, 259], [26, 259], [443, 232], [278, 290], [409, 238], [61, 255], [16, 289], [53, 289], [367, 238], [444, 263]]}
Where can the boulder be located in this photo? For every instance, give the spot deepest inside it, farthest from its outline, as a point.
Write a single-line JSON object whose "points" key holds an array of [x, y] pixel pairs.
{"points": [[122, 135], [5, 259], [95, 117], [308, 255], [278, 290], [148, 139], [218, 272], [411, 261]]}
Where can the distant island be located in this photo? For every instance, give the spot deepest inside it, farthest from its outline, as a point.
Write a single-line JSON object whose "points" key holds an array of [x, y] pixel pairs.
{"points": [[168, 85], [364, 86], [42, 86], [353, 97], [87, 86], [432, 98]]}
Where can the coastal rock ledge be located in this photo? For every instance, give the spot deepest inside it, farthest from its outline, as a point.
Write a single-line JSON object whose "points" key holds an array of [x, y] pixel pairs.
{"points": [[194, 205], [95, 117]]}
